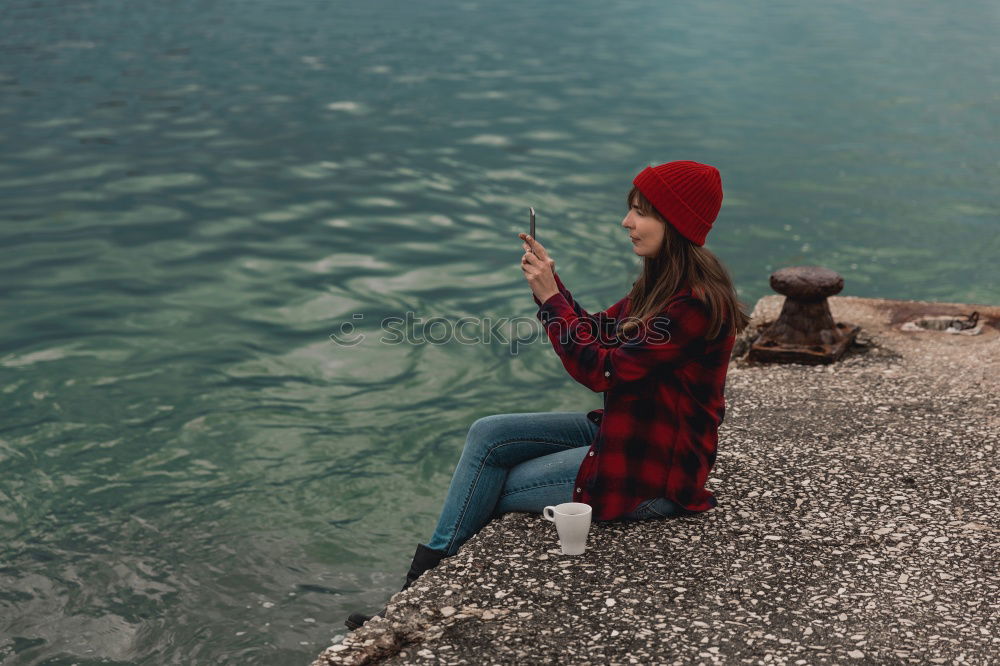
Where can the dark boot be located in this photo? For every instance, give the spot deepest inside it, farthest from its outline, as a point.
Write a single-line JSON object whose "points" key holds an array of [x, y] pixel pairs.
{"points": [[424, 559]]}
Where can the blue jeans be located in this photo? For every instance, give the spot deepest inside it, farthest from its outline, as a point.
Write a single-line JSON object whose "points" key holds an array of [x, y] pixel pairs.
{"points": [[520, 462]]}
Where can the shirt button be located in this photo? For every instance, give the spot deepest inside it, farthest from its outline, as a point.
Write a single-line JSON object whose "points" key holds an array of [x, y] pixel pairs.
{"points": [[607, 373], [578, 490], [591, 453]]}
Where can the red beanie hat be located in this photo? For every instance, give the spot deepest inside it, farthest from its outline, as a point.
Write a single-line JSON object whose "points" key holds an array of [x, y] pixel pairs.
{"points": [[688, 194]]}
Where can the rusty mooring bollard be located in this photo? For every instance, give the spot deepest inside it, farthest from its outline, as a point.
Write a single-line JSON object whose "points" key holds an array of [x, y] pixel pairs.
{"points": [[804, 332]]}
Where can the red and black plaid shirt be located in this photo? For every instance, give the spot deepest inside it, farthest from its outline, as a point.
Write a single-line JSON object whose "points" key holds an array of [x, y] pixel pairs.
{"points": [[663, 400]]}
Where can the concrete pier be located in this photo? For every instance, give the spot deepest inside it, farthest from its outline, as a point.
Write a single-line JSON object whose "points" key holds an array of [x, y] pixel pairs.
{"points": [[858, 522]]}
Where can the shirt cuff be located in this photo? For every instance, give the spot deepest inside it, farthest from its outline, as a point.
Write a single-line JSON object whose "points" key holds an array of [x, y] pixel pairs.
{"points": [[550, 308]]}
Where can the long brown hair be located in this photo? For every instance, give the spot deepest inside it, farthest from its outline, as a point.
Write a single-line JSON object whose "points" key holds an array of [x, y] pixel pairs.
{"points": [[680, 262]]}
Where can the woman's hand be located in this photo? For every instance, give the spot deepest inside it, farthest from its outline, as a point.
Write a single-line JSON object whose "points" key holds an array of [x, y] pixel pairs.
{"points": [[539, 268]]}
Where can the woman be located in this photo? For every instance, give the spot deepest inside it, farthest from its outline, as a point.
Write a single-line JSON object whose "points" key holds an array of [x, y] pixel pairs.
{"points": [[660, 357]]}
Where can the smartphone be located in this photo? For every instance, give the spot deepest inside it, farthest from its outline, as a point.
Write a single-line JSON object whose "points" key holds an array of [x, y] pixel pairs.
{"points": [[531, 222]]}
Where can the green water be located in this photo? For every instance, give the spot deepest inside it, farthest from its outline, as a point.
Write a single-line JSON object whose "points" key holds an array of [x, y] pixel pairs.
{"points": [[195, 195]]}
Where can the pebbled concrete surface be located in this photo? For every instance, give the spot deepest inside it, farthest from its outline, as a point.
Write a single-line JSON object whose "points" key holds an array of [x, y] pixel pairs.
{"points": [[858, 522]]}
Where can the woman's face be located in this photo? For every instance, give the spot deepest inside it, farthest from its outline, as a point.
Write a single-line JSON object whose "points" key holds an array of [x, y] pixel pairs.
{"points": [[648, 230]]}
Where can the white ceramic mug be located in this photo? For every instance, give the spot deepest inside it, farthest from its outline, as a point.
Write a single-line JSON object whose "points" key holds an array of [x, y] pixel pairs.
{"points": [[572, 521]]}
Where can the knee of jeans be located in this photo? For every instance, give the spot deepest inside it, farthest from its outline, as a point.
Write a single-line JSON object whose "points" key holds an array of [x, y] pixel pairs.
{"points": [[480, 425], [485, 429]]}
